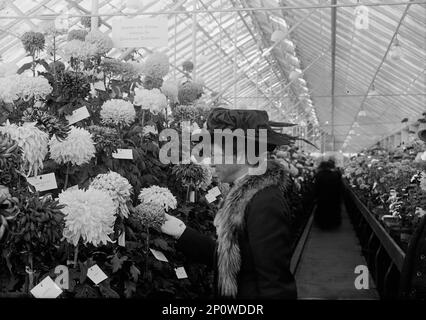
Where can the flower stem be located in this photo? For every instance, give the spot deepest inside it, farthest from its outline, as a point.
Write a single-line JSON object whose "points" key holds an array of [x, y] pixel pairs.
{"points": [[75, 255], [147, 252], [67, 176]]}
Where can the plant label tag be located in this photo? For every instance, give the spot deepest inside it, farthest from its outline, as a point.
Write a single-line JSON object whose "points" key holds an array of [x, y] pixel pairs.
{"points": [[43, 182], [122, 239], [96, 274], [214, 192], [123, 154], [192, 196], [181, 273], [46, 289], [374, 185], [210, 198], [78, 115], [159, 255], [99, 86]]}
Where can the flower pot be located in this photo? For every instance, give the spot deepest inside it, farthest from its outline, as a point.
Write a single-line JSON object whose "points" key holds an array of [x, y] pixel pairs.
{"points": [[421, 132]]}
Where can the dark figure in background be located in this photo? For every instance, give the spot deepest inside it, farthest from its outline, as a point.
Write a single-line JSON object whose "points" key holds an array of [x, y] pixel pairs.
{"points": [[328, 194]]}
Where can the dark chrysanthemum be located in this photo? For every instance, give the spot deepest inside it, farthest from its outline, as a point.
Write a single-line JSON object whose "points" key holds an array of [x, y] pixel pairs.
{"points": [[150, 215], [87, 22], [150, 82], [10, 159], [188, 66], [74, 85], [106, 139], [189, 92], [77, 35], [58, 66], [184, 113], [48, 123], [9, 209], [192, 175], [33, 42]]}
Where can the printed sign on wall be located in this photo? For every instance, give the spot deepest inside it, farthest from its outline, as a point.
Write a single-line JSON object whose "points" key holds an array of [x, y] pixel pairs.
{"points": [[140, 32]]}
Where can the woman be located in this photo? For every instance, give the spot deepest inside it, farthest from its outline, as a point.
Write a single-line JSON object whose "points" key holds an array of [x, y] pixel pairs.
{"points": [[251, 256], [328, 194]]}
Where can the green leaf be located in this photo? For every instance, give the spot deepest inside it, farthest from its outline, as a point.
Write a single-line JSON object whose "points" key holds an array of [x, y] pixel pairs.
{"points": [[130, 288], [135, 273], [162, 244], [117, 262], [25, 67], [106, 290]]}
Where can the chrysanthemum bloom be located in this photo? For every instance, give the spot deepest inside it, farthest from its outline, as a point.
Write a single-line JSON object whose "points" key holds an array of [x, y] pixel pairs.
{"points": [[32, 141], [77, 35], [87, 21], [102, 42], [193, 175], [117, 187], [189, 92], [8, 69], [22, 86], [187, 66], [106, 139], [149, 130], [33, 42], [77, 149], [118, 112], [158, 196], [79, 50], [153, 100], [150, 215], [157, 65], [48, 123], [170, 90], [127, 70], [89, 215]]}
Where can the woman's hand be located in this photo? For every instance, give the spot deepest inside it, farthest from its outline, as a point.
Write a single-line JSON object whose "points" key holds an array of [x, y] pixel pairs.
{"points": [[173, 226]]}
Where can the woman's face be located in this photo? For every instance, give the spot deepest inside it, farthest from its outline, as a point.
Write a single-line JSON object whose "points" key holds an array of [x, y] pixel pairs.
{"points": [[225, 167]]}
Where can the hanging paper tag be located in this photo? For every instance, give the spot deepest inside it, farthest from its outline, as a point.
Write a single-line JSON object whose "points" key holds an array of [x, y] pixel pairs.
{"points": [[100, 85], [374, 185], [43, 182], [78, 115], [122, 239], [210, 198], [159, 255], [181, 273], [215, 192], [123, 154], [96, 274], [46, 289]]}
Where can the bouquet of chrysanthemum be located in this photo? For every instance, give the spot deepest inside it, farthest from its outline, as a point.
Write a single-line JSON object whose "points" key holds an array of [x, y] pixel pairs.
{"points": [[118, 112], [170, 90], [153, 100], [32, 141], [117, 187], [89, 215], [77, 149], [158, 196], [157, 65]]}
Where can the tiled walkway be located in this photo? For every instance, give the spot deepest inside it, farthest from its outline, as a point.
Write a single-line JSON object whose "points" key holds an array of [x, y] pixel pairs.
{"points": [[326, 269]]}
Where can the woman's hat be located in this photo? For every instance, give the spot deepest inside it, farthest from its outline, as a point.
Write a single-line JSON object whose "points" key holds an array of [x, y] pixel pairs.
{"points": [[222, 118]]}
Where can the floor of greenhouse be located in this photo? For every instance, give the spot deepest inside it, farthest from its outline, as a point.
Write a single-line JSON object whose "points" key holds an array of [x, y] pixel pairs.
{"points": [[327, 266]]}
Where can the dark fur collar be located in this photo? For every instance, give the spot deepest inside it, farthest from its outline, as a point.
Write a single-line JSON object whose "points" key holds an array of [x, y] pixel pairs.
{"points": [[230, 220]]}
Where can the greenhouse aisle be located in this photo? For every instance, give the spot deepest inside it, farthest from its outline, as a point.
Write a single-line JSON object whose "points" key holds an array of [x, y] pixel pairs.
{"points": [[326, 269]]}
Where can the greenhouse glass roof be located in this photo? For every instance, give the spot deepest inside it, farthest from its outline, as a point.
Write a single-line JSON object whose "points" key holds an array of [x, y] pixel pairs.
{"points": [[324, 69]]}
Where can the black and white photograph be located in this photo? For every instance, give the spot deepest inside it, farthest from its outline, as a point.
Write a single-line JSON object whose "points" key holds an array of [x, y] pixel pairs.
{"points": [[212, 158]]}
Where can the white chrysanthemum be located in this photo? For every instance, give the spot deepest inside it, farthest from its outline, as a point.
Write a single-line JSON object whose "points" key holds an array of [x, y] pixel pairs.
{"points": [[153, 100], [89, 215], [78, 148], [21, 86], [170, 90], [157, 65], [33, 143], [102, 42], [161, 197], [118, 112], [117, 187], [79, 50]]}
